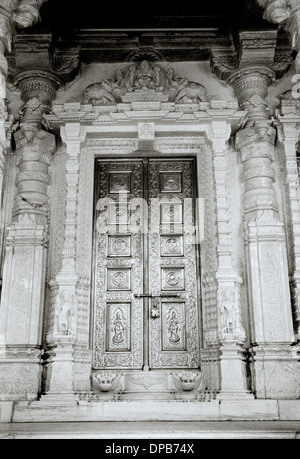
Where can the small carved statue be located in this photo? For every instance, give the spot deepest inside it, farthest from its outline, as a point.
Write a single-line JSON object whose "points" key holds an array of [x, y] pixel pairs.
{"points": [[229, 313], [65, 312], [98, 93], [192, 93]]}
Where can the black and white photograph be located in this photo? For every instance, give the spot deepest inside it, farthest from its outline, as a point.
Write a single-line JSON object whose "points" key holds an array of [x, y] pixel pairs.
{"points": [[150, 222]]}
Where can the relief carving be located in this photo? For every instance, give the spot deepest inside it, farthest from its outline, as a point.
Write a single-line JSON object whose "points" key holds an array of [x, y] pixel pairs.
{"points": [[65, 311], [145, 81], [118, 327], [173, 325], [105, 381], [187, 380], [229, 312]]}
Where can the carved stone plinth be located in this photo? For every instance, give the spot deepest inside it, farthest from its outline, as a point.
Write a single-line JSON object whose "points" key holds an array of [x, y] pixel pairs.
{"points": [[21, 310], [277, 371], [20, 372]]}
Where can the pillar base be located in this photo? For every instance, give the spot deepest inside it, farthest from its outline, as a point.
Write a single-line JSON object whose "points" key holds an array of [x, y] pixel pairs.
{"points": [[20, 373], [276, 372]]}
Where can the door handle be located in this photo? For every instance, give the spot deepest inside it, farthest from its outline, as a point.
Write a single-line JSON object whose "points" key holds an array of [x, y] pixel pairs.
{"points": [[163, 295]]}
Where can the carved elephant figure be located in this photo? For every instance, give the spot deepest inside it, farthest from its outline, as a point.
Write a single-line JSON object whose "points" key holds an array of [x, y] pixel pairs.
{"points": [[99, 93], [192, 93]]}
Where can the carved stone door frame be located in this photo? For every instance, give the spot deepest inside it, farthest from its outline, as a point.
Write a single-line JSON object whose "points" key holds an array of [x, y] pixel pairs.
{"points": [[207, 142]]}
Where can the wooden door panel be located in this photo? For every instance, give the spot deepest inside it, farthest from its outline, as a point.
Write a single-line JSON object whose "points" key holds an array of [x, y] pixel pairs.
{"points": [[174, 335], [145, 276], [118, 329]]}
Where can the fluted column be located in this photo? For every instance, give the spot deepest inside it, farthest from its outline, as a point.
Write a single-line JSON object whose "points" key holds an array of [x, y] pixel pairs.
{"points": [[22, 304], [273, 364]]}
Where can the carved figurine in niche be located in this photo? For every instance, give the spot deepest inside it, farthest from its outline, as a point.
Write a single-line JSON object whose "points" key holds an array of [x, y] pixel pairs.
{"points": [[66, 300], [229, 311], [173, 327], [118, 328], [144, 76]]}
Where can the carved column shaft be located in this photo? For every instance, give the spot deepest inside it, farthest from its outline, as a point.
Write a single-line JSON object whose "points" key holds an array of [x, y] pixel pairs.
{"points": [[256, 140], [268, 281]]}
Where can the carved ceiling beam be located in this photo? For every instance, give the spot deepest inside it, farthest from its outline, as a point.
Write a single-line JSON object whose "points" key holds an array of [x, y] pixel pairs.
{"points": [[287, 14]]}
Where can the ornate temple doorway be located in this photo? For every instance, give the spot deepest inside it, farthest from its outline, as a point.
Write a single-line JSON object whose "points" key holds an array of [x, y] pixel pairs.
{"points": [[146, 281]]}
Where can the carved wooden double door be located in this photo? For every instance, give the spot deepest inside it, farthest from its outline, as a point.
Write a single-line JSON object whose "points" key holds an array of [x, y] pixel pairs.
{"points": [[146, 304]]}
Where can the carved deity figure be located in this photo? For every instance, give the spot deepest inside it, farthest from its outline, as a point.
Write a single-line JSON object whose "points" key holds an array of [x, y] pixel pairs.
{"points": [[229, 313], [144, 76], [66, 301], [173, 327], [118, 328]]}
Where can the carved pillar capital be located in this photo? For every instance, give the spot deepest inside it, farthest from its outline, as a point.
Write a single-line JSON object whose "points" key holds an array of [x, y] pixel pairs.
{"points": [[251, 85], [219, 134], [38, 89]]}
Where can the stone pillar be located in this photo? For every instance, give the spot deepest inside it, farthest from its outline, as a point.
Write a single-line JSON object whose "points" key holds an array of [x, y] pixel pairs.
{"points": [[6, 33], [273, 364], [290, 140], [231, 334], [66, 351], [13, 14], [22, 305]]}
